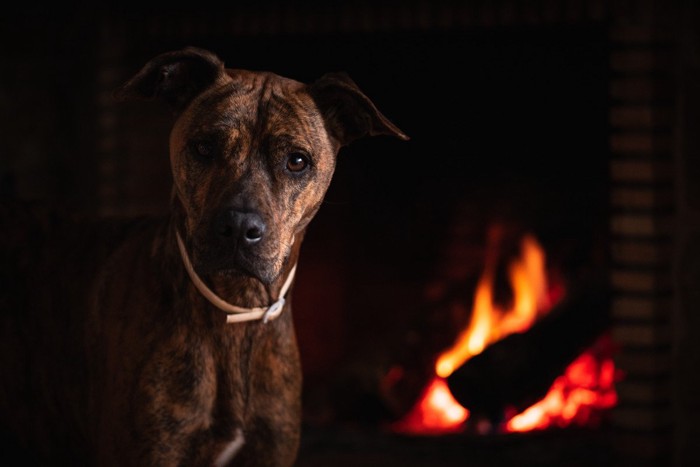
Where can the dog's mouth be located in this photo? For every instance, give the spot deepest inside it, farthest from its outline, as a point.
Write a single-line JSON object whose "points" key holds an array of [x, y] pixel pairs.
{"points": [[233, 261]]}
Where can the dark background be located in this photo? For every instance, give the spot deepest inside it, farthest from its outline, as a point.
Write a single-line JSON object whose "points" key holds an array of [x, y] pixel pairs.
{"points": [[508, 126]]}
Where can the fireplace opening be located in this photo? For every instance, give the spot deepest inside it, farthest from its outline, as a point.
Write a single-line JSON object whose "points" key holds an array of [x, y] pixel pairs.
{"points": [[509, 151]]}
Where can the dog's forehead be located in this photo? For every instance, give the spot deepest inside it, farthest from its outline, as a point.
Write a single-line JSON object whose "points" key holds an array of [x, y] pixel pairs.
{"points": [[258, 99], [263, 92], [249, 109]]}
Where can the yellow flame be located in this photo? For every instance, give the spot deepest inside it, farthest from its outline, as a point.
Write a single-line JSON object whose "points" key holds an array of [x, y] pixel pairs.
{"points": [[528, 280]]}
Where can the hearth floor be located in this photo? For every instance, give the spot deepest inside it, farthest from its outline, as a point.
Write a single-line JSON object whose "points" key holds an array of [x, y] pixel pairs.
{"points": [[365, 448]]}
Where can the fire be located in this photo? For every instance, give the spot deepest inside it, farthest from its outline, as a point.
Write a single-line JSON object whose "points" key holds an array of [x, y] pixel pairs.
{"points": [[586, 385], [489, 324], [437, 411]]}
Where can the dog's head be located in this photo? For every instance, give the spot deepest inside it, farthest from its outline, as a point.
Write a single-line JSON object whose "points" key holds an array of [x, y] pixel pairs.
{"points": [[252, 154]]}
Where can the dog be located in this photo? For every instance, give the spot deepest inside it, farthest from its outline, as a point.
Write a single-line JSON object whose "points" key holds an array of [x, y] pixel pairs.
{"points": [[170, 342]]}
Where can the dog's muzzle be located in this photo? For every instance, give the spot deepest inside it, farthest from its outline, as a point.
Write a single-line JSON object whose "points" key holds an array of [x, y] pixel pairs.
{"points": [[246, 229], [238, 240]]}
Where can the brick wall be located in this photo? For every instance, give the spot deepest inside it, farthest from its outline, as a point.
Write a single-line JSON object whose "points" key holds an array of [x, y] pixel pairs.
{"points": [[642, 224]]}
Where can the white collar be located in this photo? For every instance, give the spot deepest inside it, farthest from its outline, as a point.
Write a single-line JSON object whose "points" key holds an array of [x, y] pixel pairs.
{"points": [[236, 314]]}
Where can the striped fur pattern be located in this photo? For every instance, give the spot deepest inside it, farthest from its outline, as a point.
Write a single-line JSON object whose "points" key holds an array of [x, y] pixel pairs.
{"points": [[109, 355]]}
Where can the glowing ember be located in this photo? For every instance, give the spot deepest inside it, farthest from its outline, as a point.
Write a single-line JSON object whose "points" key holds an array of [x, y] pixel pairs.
{"points": [[586, 387], [436, 413]]}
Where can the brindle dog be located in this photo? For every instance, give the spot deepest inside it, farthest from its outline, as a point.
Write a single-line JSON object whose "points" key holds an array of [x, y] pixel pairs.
{"points": [[171, 343]]}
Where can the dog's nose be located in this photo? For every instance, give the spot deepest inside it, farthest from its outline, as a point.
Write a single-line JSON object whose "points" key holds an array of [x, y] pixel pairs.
{"points": [[247, 227]]}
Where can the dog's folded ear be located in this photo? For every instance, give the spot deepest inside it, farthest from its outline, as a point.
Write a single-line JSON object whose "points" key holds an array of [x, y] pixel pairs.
{"points": [[175, 77], [349, 114]]}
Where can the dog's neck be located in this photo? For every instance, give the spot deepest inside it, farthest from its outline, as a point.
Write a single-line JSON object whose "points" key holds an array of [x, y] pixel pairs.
{"points": [[237, 290], [237, 313]]}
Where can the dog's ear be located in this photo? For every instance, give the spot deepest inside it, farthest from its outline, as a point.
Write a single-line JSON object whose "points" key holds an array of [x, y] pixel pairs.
{"points": [[348, 113], [175, 77]]}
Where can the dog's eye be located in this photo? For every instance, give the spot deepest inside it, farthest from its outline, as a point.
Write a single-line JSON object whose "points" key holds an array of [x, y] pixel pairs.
{"points": [[204, 149], [297, 162]]}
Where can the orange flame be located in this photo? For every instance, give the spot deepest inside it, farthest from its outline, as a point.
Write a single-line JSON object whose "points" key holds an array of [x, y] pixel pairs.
{"points": [[587, 384], [489, 324]]}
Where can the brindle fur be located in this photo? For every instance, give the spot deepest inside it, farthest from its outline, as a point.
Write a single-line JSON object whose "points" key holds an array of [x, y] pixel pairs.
{"points": [[109, 355]]}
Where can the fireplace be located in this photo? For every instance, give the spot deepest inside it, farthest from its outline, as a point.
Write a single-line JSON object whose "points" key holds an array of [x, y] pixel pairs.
{"points": [[565, 124], [491, 144]]}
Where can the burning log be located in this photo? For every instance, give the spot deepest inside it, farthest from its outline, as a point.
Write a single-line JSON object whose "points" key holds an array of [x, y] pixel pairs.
{"points": [[517, 371]]}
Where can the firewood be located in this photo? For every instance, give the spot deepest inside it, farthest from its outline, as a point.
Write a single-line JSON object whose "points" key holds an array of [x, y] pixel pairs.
{"points": [[518, 370]]}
